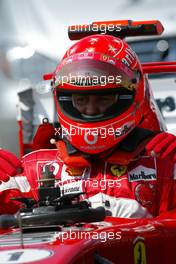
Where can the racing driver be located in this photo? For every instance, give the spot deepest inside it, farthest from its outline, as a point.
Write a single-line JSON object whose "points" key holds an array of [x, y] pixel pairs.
{"points": [[112, 144]]}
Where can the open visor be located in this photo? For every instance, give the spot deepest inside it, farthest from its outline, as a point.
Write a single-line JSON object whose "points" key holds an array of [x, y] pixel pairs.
{"points": [[123, 100], [88, 75]]}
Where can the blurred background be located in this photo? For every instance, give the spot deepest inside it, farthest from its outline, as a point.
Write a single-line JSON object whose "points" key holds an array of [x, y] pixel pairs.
{"points": [[33, 38]]}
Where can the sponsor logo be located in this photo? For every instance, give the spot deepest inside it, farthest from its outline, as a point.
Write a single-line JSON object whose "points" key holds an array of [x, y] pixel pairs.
{"points": [[145, 193], [129, 57], [71, 190], [50, 169], [18, 182], [139, 253], [72, 187], [93, 140], [75, 171], [17, 256], [124, 129], [118, 170], [142, 173], [48, 173]]}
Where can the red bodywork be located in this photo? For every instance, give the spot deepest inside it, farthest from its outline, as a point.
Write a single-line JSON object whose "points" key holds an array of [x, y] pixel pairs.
{"points": [[120, 241]]}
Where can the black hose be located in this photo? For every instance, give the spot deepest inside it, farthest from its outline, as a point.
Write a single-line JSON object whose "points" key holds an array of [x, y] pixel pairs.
{"points": [[65, 216], [7, 221], [60, 217]]}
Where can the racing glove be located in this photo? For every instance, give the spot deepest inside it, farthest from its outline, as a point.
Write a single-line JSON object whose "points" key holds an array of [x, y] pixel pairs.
{"points": [[162, 145], [10, 165], [43, 136]]}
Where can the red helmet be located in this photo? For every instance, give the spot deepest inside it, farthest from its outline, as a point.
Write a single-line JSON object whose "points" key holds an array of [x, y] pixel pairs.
{"points": [[99, 65]]}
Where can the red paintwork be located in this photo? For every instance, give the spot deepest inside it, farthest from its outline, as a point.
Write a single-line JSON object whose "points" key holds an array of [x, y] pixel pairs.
{"points": [[158, 63], [159, 68], [158, 235], [148, 67]]}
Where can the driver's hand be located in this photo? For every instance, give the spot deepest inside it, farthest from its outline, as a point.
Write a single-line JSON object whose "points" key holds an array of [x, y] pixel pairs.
{"points": [[162, 145], [10, 165], [44, 133]]}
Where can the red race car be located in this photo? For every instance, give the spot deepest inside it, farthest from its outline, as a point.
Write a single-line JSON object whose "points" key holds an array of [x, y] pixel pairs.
{"points": [[62, 229]]}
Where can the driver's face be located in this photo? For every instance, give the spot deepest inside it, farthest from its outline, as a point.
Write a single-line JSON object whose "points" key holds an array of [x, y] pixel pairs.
{"points": [[93, 104]]}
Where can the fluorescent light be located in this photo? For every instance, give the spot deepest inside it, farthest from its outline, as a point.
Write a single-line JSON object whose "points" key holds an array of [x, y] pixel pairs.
{"points": [[20, 53]]}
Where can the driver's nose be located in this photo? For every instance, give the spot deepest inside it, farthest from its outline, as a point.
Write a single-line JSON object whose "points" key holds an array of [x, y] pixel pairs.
{"points": [[91, 107], [92, 110]]}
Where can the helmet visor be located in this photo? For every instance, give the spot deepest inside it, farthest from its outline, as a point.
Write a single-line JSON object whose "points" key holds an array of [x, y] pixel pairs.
{"points": [[102, 106], [87, 75]]}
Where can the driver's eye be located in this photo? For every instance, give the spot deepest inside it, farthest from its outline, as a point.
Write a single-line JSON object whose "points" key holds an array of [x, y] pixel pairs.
{"points": [[81, 100], [104, 101], [107, 100]]}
